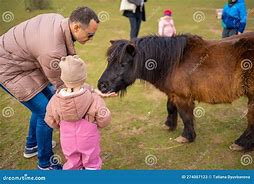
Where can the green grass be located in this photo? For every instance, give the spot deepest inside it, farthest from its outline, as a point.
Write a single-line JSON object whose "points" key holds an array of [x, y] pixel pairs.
{"points": [[137, 129]]}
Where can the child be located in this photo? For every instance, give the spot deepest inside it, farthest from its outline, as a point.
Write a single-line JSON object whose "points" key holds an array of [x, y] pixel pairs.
{"points": [[78, 111], [166, 24]]}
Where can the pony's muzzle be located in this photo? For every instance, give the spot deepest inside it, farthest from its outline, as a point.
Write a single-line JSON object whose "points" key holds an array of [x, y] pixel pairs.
{"points": [[103, 86]]}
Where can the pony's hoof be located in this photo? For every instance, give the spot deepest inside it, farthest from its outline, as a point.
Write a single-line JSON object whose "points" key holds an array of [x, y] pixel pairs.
{"points": [[236, 147], [181, 139], [171, 129], [165, 127]]}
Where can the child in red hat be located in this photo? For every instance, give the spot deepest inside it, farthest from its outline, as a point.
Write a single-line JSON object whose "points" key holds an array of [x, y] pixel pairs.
{"points": [[166, 24]]}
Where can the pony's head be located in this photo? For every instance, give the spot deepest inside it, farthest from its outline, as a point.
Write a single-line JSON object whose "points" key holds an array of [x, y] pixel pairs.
{"points": [[150, 58], [120, 69]]}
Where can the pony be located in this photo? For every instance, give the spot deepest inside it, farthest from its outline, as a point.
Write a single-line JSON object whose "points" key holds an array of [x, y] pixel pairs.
{"points": [[187, 68]]}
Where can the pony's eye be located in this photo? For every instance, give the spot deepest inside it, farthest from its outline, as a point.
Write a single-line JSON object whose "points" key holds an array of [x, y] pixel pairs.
{"points": [[123, 64]]}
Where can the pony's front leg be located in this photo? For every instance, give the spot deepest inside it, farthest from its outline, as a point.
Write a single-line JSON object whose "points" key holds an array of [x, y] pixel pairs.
{"points": [[171, 121], [185, 108]]}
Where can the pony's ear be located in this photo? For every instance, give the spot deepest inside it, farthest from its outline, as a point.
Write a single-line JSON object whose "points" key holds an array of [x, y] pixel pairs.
{"points": [[130, 48], [112, 42]]}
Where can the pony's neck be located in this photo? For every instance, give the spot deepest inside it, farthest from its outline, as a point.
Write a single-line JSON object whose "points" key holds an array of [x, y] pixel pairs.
{"points": [[157, 57], [147, 71]]}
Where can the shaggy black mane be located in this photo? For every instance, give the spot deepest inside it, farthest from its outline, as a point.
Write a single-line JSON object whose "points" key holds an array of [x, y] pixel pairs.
{"points": [[155, 56]]}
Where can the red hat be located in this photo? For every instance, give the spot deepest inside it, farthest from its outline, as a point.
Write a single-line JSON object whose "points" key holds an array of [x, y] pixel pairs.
{"points": [[168, 12]]}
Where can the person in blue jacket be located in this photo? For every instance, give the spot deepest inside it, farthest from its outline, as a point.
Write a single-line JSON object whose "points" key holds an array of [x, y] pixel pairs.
{"points": [[234, 18]]}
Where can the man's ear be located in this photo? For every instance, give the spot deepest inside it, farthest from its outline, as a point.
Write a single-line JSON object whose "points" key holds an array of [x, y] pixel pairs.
{"points": [[130, 48], [76, 27]]}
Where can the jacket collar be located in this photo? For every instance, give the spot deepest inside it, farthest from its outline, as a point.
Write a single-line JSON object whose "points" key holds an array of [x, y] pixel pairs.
{"points": [[68, 37]]}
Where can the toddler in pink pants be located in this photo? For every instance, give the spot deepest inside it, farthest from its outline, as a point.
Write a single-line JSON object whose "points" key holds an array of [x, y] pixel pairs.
{"points": [[78, 111]]}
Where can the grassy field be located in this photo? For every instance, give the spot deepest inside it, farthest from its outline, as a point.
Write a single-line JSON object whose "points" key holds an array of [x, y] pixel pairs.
{"points": [[137, 138]]}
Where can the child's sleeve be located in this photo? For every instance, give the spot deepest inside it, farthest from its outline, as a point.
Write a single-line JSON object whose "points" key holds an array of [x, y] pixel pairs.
{"points": [[102, 115], [160, 28], [51, 118], [173, 26]]}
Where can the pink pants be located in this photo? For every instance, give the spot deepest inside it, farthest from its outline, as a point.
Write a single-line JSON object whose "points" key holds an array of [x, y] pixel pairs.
{"points": [[80, 142]]}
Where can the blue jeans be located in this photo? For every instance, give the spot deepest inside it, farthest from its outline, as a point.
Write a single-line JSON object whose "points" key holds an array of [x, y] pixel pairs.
{"points": [[135, 25], [39, 133]]}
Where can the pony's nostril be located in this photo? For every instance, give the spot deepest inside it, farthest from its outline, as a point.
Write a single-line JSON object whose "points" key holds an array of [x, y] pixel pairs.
{"points": [[103, 86]]}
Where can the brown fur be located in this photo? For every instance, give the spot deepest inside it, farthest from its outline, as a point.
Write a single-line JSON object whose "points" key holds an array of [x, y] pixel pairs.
{"points": [[214, 73]]}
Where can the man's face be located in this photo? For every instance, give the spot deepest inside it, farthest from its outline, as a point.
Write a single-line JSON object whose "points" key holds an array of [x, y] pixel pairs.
{"points": [[84, 33]]}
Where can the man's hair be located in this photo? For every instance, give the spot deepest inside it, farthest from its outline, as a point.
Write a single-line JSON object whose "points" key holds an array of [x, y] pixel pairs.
{"points": [[83, 15]]}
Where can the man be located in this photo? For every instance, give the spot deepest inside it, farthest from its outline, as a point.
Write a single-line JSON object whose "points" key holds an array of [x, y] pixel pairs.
{"points": [[234, 18], [29, 57]]}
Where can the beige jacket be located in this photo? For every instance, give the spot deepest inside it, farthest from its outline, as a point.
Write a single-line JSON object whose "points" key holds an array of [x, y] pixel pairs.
{"points": [[83, 104], [30, 53]]}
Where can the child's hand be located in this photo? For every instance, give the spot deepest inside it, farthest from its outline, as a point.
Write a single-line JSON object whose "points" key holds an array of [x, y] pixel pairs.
{"points": [[105, 95]]}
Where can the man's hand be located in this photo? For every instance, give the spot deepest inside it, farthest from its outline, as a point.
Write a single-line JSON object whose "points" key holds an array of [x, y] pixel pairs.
{"points": [[105, 95]]}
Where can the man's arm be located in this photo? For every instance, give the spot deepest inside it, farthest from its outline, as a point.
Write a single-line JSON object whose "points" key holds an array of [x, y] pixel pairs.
{"points": [[51, 69]]}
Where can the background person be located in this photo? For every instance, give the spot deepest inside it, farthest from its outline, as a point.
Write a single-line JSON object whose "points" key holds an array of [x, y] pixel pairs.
{"points": [[166, 24], [135, 11], [234, 18]]}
